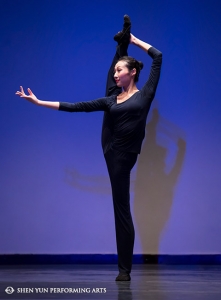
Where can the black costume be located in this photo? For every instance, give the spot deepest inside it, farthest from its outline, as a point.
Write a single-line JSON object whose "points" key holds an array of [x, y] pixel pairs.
{"points": [[122, 135]]}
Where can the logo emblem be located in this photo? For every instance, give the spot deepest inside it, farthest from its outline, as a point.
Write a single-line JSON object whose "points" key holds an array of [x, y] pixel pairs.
{"points": [[9, 290]]}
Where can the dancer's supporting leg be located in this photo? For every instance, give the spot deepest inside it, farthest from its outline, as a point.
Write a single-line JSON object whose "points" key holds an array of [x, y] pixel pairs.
{"points": [[119, 166]]}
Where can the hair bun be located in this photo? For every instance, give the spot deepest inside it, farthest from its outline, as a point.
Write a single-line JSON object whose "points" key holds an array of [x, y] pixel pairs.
{"points": [[140, 65]]}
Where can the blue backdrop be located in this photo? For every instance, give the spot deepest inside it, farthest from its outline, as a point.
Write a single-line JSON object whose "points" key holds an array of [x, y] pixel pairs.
{"points": [[55, 194]]}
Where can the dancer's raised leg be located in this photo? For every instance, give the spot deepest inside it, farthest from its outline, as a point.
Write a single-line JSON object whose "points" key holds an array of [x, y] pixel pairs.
{"points": [[123, 40]]}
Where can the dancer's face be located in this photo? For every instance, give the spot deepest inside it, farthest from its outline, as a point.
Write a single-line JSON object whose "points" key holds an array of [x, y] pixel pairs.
{"points": [[122, 75]]}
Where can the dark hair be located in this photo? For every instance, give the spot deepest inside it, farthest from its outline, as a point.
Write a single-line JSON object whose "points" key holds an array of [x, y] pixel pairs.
{"points": [[132, 63]]}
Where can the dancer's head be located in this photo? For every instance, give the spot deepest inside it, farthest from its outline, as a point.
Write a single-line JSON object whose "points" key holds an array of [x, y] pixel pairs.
{"points": [[127, 69]]}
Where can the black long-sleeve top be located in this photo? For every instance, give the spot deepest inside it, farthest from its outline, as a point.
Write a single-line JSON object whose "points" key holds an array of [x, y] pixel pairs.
{"points": [[124, 123]]}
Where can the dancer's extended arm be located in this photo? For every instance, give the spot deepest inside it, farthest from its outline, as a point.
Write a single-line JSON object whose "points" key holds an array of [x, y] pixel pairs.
{"points": [[101, 104]]}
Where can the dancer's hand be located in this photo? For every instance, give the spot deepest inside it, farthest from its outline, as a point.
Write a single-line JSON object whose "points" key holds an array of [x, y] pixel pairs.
{"points": [[137, 42], [132, 39], [31, 97]]}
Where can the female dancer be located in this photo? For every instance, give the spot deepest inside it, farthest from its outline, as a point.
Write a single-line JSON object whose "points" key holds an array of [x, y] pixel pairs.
{"points": [[125, 112]]}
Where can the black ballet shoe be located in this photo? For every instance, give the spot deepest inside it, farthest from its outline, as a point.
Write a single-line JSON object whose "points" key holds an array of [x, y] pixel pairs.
{"points": [[124, 35], [123, 277]]}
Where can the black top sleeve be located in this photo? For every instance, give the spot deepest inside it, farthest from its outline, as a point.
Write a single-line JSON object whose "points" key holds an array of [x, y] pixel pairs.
{"points": [[100, 104], [151, 84]]}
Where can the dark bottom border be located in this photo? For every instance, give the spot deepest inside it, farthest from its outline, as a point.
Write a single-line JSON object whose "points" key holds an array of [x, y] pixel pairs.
{"points": [[57, 259]]}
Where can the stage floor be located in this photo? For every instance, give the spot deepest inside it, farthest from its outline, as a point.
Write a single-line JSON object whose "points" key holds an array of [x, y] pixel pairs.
{"points": [[151, 282]]}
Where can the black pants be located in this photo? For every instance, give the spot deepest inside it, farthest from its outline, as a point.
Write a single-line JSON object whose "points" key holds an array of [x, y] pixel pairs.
{"points": [[119, 166]]}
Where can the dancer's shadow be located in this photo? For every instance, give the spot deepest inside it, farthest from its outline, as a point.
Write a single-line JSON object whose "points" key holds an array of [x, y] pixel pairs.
{"points": [[158, 169], [97, 184]]}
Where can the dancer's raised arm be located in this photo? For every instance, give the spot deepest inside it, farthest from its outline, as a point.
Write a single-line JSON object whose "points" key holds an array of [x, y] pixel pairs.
{"points": [[33, 99], [152, 82]]}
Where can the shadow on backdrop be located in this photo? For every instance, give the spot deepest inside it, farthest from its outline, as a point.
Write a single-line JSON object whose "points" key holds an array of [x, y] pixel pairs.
{"points": [[98, 184], [158, 169]]}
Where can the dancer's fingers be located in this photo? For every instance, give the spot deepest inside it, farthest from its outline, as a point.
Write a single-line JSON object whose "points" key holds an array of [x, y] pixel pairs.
{"points": [[30, 91], [21, 94], [21, 89]]}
